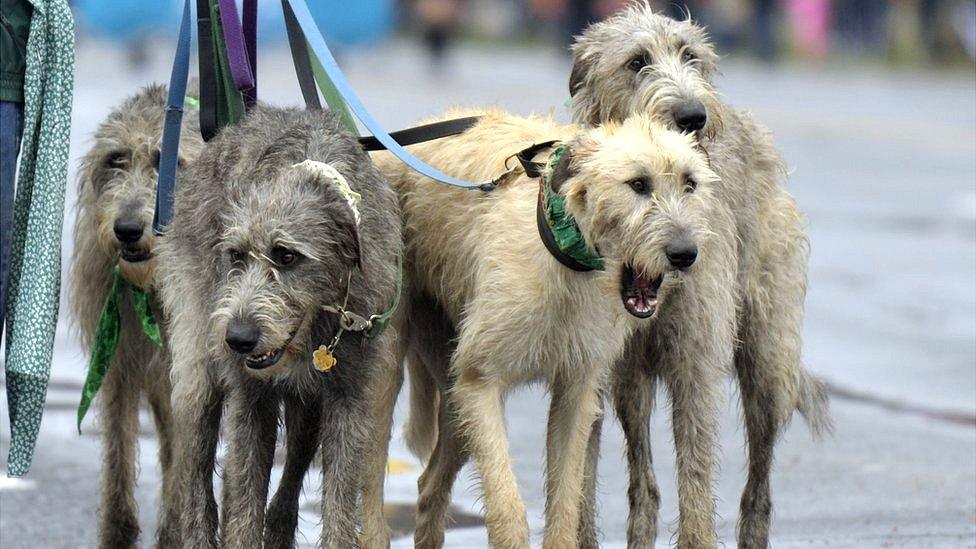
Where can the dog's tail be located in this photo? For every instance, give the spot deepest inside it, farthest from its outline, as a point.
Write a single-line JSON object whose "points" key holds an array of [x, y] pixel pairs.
{"points": [[814, 404], [421, 428]]}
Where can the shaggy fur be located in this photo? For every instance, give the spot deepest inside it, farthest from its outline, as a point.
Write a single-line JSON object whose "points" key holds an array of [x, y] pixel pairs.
{"points": [[116, 188], [642, 62], [258, 242], [476, 261]]}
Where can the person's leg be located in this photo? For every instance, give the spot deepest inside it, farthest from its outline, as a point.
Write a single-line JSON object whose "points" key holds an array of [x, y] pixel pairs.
{"points": [[11, 127]]}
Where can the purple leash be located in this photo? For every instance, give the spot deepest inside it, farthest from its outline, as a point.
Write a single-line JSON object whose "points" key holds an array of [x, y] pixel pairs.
{"points": [[241, 46]]}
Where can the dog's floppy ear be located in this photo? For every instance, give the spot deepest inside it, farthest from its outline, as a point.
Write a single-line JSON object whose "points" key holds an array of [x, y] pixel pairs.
{"points": [[563, 170], [577, 77], [347, 233]]}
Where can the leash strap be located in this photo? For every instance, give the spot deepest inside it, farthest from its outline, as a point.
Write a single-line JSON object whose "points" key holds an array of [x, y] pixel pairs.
{"points": [[241, 44], [205, 57], [301, 59], [420, 134], [220, 101], [533, 169], [324, 55], [173, 121], [378, 323]]}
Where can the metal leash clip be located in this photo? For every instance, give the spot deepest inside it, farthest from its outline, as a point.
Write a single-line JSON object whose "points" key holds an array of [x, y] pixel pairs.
{"points": [[348, 320], [509, 171]]}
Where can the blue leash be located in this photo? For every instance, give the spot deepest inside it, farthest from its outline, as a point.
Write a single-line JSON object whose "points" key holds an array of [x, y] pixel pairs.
{"points": [[321, 50], [169, 152]]}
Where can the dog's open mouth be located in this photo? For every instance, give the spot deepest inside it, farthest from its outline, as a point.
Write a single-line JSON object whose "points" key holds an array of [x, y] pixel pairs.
{"points": [[270, 358], [135, 256], [639, 292]]}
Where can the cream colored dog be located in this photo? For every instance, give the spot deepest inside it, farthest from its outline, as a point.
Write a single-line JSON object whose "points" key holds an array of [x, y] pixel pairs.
{"points": [[634, 190]]}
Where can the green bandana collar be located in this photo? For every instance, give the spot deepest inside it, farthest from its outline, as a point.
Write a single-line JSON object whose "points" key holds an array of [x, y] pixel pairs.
{"points": [[107, 337], [557, 228]]}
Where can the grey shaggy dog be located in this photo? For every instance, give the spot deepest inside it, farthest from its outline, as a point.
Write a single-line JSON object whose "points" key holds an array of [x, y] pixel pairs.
{"points": [[642, 62], [258, 246], [116, 194]]}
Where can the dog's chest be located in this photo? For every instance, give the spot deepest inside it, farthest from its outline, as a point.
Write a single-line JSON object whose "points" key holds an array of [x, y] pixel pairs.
{"points": [[564, 328]]}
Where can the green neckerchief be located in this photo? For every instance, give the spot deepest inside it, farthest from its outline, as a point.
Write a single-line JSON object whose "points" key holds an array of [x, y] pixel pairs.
{"points": [[107, 337], [561, 224]]}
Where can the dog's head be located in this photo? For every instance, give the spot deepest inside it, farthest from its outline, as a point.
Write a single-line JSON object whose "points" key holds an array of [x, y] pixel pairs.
{"points": [[288, 246], [640, 194], [117, 184], [641, 61]]}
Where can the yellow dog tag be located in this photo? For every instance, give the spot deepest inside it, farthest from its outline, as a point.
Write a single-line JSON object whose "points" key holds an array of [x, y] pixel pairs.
{"points": [[323, 359]]}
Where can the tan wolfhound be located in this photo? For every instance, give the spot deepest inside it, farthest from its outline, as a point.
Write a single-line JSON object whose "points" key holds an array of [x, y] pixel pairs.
{"points": [[638, 195]]}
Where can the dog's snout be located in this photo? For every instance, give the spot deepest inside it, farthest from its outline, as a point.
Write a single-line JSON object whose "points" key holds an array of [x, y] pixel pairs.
{"points": [[128, 229], [681, 253], [690, 116], [242, 336]]}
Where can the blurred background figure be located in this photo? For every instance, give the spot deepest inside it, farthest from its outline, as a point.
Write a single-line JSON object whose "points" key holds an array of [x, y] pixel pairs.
{"points": [[438, 21]]}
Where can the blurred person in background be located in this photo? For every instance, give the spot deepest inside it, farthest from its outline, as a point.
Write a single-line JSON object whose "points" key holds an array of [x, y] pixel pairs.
{"points": [[810, 25], [862, 25], [764, 14], [438, 20], [36, 87], [15, 17]]}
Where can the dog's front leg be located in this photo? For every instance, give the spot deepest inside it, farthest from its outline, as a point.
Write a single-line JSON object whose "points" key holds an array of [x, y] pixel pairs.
{"points": [[375, 532], [252, 420], [159, 391], [347, 424], [633, 398], [437, 480], [482, 421], [118, 525], [694, 422], [575, 406], [190, 513], [587, 533], [303, 421]]}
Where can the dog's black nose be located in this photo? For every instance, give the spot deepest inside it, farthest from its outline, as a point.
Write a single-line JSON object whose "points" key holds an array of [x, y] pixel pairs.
{"points": [[690, 116], [681, 253], [128, 230], [242, 336]]}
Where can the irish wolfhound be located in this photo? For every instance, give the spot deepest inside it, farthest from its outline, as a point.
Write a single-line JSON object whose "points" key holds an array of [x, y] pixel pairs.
{"points": [[116, 191], [280, 226], [642, 62], [638, 194]]}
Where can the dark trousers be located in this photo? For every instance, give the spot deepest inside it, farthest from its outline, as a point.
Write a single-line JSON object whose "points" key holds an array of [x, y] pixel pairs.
{"points": [[11, 128]]}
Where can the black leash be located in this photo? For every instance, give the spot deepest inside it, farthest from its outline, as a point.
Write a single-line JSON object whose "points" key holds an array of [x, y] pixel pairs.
{"points": [[419, 134]]}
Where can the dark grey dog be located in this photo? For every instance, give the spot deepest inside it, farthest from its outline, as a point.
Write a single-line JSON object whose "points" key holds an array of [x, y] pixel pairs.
{"points": [[267, 244], [116, 190], [640, 61]]}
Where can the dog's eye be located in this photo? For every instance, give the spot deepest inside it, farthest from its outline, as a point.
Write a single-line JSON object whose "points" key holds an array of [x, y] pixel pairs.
{"points": [[688, 56], [237, 257], [285, 257], [637, 63], [118, 160], [155, 159], [640, 185], [690, 185]]}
